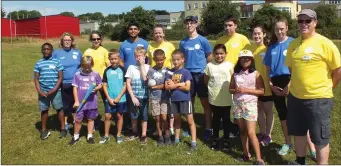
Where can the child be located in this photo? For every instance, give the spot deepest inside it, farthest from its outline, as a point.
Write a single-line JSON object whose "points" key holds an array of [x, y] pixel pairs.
{"points": [[81, 83], [137, 88], [246, 84], [159, 97], [217, 77], [114, 87], [178, 81], [48, 75]]}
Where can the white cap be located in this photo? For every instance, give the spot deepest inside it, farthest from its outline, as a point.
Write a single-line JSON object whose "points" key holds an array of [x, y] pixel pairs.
{"points": [[245, 53]]}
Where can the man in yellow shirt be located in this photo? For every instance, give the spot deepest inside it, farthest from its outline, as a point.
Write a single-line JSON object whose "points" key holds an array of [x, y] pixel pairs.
{"points": [[233, 41], [315, 67]]}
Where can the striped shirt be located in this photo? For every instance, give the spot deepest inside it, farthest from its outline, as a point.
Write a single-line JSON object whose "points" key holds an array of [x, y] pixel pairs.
{"points": [[138, 86], [48, 70]]}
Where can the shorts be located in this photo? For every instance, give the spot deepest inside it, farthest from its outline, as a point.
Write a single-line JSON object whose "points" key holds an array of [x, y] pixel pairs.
{"points": [[181, 107], [198, 85], [55, 99], [265, 98], [245, 110], [119, 107], [159, 107], [312, 115], [90, 114], [280, 101], [140, 112], [67, 98]]}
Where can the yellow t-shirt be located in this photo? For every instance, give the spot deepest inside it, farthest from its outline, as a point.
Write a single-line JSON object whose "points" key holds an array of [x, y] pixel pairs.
{"points": [[259, 53], [311, 62], [167, 47], [101, 60], [234, 45]]}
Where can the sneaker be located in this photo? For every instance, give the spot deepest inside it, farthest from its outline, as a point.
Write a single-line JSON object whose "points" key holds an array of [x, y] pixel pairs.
{"points": [[104, 139], [313, 156], [119, 139], [73, 141], [185, 134], [244, 158], [91, 140], [293, 163], [207, 134], [143, 140], [266, 140], [160, 141], [215, 144], [258, 163], [233, 135], [44, 134], [192, 149], [172, 131], [67, 127], [226, 145], [168, 141], [131, 138], [284, 150], [62, 134], [260, 136], [155, 133]]}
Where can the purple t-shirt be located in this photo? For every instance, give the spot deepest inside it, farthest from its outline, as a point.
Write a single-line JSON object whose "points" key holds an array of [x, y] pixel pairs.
{"points": [[83, 81]]}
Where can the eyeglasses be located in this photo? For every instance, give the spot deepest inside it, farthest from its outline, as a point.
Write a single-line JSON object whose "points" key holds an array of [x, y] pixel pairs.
{"points": [[94, 39], [304, 21]]}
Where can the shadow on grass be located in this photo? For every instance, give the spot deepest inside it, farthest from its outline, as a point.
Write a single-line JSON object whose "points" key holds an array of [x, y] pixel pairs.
{"points": [[52, 123]]}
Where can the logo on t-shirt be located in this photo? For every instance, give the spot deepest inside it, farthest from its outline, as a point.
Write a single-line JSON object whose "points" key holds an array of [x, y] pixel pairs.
{"points": [[127, 49], [197, 46], [75, 53], [176, 78], [138, 45], [92, 78], [285, 52], [157, 75], [308, 50], [74, 56], [235, 45], [62, 57], [113, 72], [306, 58], [52, 66]]}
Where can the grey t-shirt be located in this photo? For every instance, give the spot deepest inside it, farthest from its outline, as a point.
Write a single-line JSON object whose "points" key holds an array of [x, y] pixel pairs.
{"points": [[159, 77]]}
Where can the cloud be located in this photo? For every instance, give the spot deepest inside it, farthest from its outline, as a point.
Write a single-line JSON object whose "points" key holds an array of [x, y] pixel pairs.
{"points": [[43, 11]]}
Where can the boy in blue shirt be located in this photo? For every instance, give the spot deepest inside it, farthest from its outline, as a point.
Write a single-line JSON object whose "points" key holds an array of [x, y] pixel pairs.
{"points": [[48, 75], [114, 87], [197, 50]]}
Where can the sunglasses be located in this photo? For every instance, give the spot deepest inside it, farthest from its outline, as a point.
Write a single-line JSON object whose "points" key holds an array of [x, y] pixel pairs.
{"points": [[95, 39], [304, 21]]}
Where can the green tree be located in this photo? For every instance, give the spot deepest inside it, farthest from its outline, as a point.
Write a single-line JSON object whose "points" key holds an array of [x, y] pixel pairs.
{"points": [[85, 17], [326, 15], [106, 29], [116, 34], [23, 14], [33, 14], [160, 12], [212, 17], [98, 16], [3, 13], [66, 13]]}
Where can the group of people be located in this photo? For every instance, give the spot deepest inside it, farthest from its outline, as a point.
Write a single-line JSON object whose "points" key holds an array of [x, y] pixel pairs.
{"points": [[236, 76]]}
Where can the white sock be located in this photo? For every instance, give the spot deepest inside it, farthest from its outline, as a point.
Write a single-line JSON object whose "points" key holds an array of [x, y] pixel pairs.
{"points": [[75, 136], [89, 136]]}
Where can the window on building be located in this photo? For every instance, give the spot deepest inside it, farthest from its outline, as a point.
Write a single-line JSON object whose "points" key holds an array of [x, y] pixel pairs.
{"points": [[284, 9], [196, 5], [173, 20], [203, 4], [189, 7]]}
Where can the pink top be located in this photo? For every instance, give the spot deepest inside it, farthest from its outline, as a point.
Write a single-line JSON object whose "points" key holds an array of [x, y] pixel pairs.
{"points": [[244, 79]]}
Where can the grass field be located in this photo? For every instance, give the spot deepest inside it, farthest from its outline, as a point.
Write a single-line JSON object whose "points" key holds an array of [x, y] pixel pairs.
{"points": [[21, 120]]}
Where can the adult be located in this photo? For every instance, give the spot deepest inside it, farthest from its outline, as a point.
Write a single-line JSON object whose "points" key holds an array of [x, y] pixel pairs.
{"points": [[197, 50], [101, 61], [265, 103], [279, 75], [315, 65], [128, 46], [160, 43], [70, 58]]}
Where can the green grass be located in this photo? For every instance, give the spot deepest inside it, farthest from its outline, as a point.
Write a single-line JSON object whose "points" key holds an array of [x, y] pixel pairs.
{"points": [[21, 121]]}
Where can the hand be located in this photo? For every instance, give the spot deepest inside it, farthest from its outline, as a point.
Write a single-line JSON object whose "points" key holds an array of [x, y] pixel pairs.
{"points": [[170, 82], [116, 100], [277, 90], [141, 61], [285, 91], [241, 90], [181, 84], [111, 102], [43, 94], [76, 105], [135, 101], [50, 92], [94, 90]]}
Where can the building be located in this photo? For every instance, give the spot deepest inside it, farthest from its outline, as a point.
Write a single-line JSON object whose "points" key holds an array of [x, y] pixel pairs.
{"points": [[168, 20], [309, 5], [333, 2], [175, 16], [8, 27], [45, 26], [88, 26]]}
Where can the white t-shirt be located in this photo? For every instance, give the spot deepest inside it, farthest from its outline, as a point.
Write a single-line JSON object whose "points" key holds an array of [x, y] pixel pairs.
{"points": [[139, 86]]}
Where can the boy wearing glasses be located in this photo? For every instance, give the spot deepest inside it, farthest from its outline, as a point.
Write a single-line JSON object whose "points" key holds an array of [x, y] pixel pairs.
{"points": [[48, 76]]}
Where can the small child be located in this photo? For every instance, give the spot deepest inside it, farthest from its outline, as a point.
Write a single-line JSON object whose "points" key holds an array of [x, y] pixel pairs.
{"points": [[246, 84], [114, 87], [137, 88], [48, 76], [217, 77], [159, 97], [81, 83], [178, 81]]}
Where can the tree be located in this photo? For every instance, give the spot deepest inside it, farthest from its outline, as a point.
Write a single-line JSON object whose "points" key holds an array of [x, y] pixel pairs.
{"points": [[160, 12], [106, 29], [67, 14], [98, 16], [23, 14], [33, 14], [3, 13], [326, 15], [84, 17], [212, 17]]}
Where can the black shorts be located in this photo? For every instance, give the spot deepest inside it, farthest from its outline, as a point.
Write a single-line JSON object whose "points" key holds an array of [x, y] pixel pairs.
{"points": [[181, 107], [198, 85], [265, 98], [312, 115], [67, 98], [280, 101]]}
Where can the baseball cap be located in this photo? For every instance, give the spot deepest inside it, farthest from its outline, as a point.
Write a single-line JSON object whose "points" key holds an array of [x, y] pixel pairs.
{"points": [[191, 18], [245, 53], [308, 12]]}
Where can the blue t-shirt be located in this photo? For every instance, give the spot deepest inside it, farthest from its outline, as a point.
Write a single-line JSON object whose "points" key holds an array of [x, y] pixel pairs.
{"points": [[275, 58], [159, 77], [115, 79], [178, 76], [71, 60], [196, 51], [127, 49], [48, 73]]}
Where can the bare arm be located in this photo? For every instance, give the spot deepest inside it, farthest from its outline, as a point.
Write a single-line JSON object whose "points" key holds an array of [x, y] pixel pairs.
{"points": [[123, 91], [75, 96], [206, 78], [259, 91], [169, 85], [336, 76], [186, 87], [232, 87], [59, 82], [121, 63], [36, 83], [158, 87], [143, 72], [105, 90], [209, 58], [129, 88]]}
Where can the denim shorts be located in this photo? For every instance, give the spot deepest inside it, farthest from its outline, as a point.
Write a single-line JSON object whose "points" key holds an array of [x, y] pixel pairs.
{"points": [[55, 99], [119, 107], [140, 112]]}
